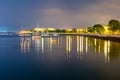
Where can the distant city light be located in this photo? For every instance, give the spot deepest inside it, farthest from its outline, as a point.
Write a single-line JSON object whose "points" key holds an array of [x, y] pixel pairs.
{"points": [[7, 29]]}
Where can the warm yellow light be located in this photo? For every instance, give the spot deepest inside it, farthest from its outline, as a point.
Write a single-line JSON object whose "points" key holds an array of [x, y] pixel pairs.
{"points": [[51, 29], [86, 45], [68, 43], [40, 29], [25, 45], [107, 31], [25, 32], [42, 41], [69, 30], [106, 51]]}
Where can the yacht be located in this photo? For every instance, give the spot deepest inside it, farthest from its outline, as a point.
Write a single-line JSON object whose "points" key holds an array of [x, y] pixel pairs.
{"points": [[49, 35], [24, 35]]}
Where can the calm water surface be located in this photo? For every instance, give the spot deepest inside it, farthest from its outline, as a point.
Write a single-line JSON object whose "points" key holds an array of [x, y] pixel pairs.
{"points": [[63, 58]]}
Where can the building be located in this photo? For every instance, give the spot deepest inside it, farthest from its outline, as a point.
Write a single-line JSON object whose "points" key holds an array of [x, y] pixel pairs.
{"points": [[45, 30], [40, 30], [81, 30], [51, 29], [69, 30], [107, 31], [25, 32]]}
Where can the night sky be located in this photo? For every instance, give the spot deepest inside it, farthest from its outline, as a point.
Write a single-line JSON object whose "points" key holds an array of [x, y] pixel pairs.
{"points": [[23, 14]]}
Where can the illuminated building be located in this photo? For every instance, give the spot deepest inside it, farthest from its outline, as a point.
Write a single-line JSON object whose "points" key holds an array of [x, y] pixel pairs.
{"points": [[81, 30], [69, 30], [51, 29], [40, 29], [44, 29], [107, 31], [25, 32]]}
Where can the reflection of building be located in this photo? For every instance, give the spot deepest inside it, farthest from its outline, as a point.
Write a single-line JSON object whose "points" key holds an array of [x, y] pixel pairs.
{"points": [[25, 44]]}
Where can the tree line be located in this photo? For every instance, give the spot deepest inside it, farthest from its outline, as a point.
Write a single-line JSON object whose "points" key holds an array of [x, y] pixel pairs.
{"points": [[113, 26]]}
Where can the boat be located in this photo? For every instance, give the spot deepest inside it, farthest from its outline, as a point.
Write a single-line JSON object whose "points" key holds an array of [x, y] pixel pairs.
{"points": [[55, 35], [24, 35], [8, 34], [49, 35]]}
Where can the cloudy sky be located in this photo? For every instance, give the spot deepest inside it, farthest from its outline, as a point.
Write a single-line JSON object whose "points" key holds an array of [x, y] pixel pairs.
{"points": [[57, 13]]}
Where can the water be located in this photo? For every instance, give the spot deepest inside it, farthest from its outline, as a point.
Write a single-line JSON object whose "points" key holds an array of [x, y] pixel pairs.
{"points": [[59, 58]]}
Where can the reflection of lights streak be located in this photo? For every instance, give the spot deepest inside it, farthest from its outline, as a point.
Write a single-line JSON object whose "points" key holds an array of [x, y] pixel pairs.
{"points": [[25, 44], [50, 44], [78, 43], [108, 46], [42, 43], [80, 47], [68, 43], [38, 45], [81, 44], [105, 48], [95, 42], [58, 41], [99, 49], [86, 45], [106, 51]]}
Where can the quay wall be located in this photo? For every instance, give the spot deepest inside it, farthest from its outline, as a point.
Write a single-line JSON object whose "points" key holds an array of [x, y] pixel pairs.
{"points": [[110, 37]]}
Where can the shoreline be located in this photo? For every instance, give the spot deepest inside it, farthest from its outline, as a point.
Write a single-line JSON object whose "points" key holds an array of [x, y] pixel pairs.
{"points": [[110, 37], [115, 38]]}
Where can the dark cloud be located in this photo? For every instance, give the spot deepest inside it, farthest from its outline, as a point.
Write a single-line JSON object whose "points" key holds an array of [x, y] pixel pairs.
{"points": [[57, 13]]}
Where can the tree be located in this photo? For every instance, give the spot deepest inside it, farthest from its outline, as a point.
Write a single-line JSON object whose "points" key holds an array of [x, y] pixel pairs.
{"points": [[98, 28], [74, 30], [114, 25], [90, 29]]}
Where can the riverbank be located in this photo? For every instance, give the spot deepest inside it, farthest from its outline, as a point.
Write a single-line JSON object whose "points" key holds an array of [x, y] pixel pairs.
{"points": [[103, 36], [99, 36], [110, 37]]}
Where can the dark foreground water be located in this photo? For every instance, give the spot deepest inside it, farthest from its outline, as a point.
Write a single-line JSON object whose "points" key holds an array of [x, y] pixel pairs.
{"points": [[63, 58]]}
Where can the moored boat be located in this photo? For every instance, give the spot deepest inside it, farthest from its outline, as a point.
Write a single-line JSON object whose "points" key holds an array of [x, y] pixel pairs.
{"points": [[49, 35]]}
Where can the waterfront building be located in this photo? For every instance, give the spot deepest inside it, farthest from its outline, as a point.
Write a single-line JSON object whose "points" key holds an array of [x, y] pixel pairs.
{"points": [[51, 29], [81, 30], [107, 31], [40, 29], [25, 33], [69, 30]]}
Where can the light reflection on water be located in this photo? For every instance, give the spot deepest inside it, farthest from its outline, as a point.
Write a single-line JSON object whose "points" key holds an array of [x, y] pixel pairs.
{"points": [[71, 44], [59, 58], [25, 44]]}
